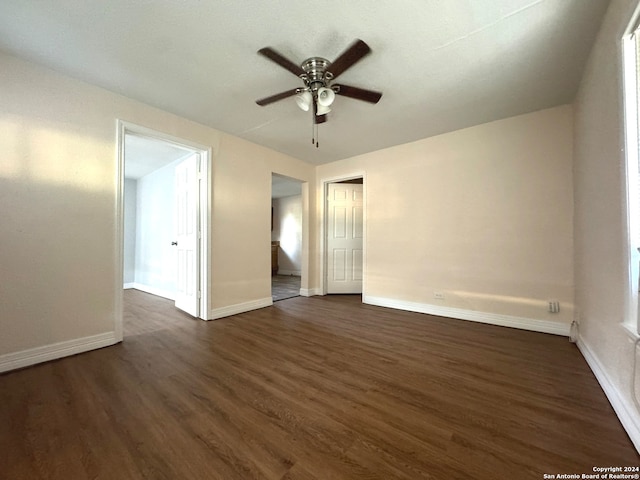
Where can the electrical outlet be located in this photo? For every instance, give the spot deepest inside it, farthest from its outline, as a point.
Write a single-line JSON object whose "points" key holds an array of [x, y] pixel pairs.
{"points": [[554, 306], [438, 295]]}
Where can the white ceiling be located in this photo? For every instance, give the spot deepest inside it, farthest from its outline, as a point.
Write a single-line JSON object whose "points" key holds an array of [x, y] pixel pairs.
{"points": [[441, 64], [282, 186], [143, 155]]}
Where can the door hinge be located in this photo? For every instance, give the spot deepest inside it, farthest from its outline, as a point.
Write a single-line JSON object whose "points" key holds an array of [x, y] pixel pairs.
{"points": [[199, 294]]}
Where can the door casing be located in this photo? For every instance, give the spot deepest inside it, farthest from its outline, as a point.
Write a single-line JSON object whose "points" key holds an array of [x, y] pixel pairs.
{"points": [[122, 129]]}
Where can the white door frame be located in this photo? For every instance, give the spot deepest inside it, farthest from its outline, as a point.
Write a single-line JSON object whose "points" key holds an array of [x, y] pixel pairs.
{"points": [[123, 128], [324, 230]]}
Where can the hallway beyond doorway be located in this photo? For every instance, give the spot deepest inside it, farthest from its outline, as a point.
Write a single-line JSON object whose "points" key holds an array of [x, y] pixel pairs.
{"points": [[284, 286]]}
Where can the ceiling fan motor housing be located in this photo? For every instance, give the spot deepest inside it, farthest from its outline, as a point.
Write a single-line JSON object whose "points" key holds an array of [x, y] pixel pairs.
{"points": [[317, 74]]}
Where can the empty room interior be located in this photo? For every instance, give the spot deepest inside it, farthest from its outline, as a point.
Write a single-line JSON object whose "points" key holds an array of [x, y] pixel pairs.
{"points": [[338, 240]]}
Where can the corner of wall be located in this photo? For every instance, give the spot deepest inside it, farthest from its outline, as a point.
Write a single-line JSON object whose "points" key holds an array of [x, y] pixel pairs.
{"points": [[626, 412]]}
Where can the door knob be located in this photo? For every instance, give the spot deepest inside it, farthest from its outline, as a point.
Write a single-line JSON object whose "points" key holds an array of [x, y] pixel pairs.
{"points": [[174, 243]]}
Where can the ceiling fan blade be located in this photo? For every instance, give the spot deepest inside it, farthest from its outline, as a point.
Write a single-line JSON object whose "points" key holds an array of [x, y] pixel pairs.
{"points": [[278, 96], [349, 57], [358, 93], [274, 56]]}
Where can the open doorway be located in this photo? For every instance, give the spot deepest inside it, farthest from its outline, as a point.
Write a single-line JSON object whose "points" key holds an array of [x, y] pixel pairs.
{"points": [[150, 262], [286, 237], [163, 227]]}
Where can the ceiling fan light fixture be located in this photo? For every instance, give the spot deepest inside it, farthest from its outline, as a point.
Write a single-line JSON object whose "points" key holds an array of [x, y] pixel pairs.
{"points": [[304, 100], [322, 109], [326, 96]]}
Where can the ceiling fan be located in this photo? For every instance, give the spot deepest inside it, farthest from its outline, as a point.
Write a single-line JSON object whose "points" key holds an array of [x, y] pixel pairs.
{"points": [[318, 74]]}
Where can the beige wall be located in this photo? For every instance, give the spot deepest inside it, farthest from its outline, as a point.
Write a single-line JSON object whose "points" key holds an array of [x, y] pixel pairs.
{"points": [[483, 215], [601, 273], [58, 199], [241, 242]]}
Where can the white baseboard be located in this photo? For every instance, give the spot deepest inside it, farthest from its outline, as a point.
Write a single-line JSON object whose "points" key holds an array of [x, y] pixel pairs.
{"points": [[625, 412], [152, 290], [32, 356], [240, 308], [310, 292], [532, 324], [295, 273]]}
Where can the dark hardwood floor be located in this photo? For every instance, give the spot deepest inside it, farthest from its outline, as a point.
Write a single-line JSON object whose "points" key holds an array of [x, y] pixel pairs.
{"points": [[311, 388]]}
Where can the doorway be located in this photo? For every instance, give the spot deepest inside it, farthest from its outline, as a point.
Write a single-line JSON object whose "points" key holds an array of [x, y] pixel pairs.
{"points": [[286, 237], [344, 237], [150, 164]]}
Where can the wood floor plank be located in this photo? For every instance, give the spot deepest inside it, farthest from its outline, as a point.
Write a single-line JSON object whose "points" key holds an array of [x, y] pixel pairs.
{"points": [[309, 389]]}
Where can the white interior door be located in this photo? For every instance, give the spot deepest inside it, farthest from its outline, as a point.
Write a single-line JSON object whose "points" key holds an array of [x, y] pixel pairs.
{"points": [[344, 238], [187, 234]]}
